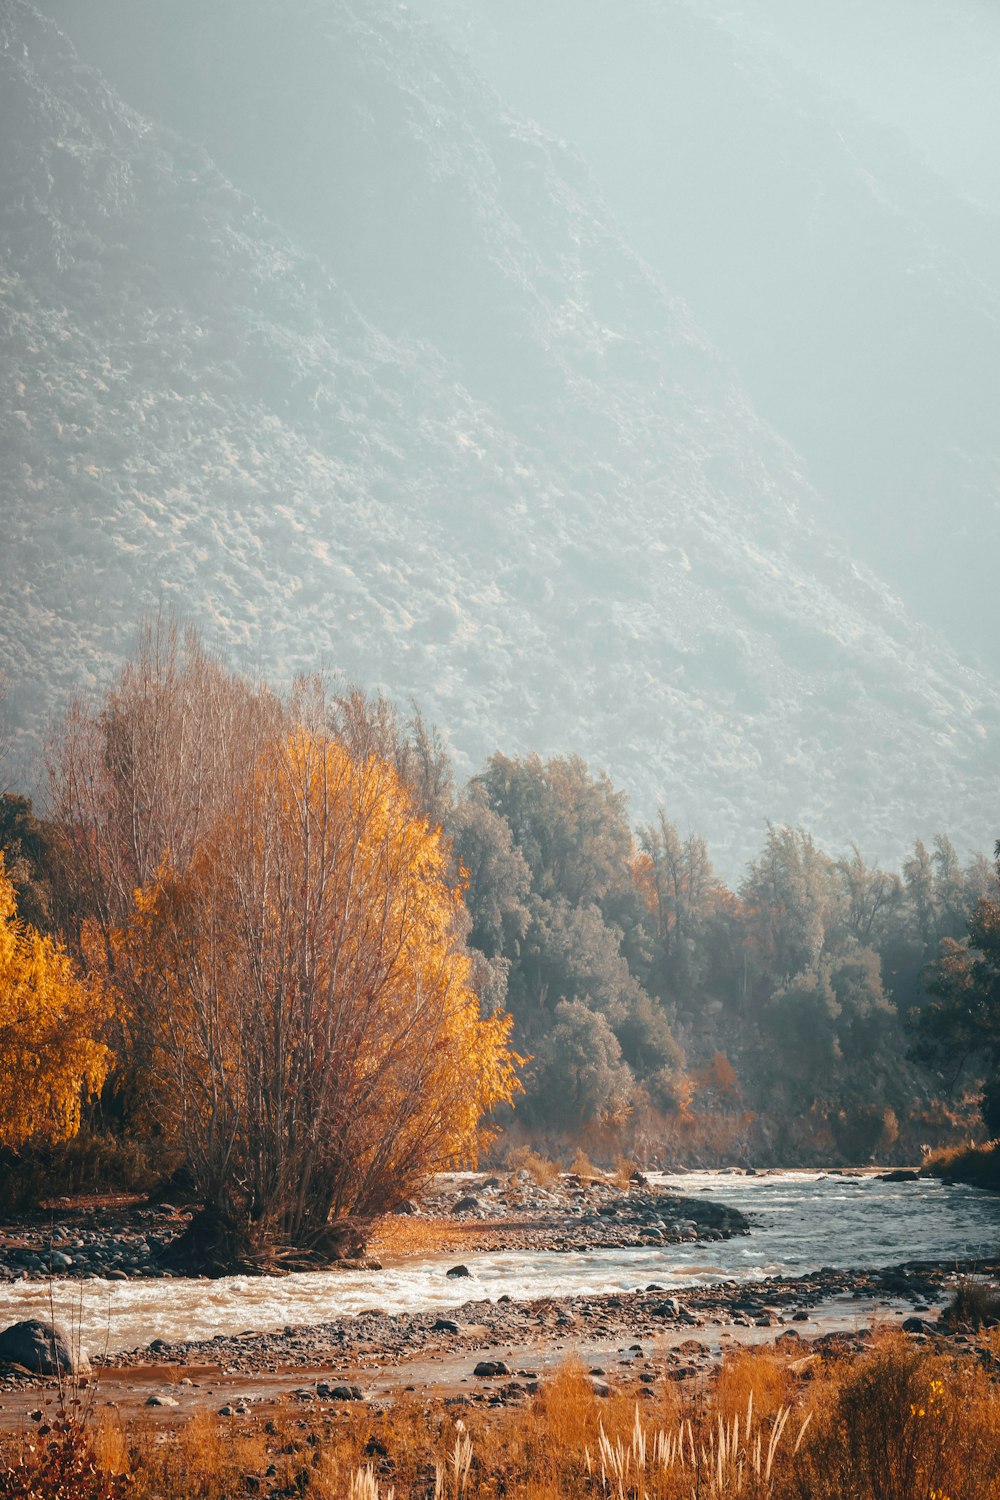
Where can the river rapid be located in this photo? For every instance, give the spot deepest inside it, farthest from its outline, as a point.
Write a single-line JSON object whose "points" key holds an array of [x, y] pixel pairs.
{"points": [[801, 1222]]}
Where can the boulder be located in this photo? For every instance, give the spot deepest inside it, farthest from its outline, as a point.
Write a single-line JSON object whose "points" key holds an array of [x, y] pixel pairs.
{"points": [[457, 1271], [42, 1348]]}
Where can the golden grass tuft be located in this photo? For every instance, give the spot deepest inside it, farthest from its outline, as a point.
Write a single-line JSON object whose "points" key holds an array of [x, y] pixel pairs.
{"points": [[526, 1159]]}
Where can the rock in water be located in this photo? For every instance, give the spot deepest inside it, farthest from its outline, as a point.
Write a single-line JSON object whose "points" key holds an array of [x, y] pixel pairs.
{"points": [[42, 1348]]}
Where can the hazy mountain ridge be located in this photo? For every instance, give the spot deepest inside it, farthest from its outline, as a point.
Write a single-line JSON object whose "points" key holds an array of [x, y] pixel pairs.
{"points": [[857, 293], [601, 548]]}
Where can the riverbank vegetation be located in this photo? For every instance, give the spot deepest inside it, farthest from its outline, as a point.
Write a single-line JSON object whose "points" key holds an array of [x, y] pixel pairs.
{"points": [[898, 1422], [317, 967], [979, 1166]]}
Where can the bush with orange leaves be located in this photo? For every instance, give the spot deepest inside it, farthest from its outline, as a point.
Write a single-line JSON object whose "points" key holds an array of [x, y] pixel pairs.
{"points": [[52, 1053], [319, 1044]]}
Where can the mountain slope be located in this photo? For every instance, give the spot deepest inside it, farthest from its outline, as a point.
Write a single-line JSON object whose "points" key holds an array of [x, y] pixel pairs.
{"points": [[857, 293], [542, 505]]}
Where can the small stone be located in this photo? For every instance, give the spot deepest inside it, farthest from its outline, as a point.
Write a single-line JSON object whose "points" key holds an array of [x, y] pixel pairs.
{"points": [[155, 1400]]}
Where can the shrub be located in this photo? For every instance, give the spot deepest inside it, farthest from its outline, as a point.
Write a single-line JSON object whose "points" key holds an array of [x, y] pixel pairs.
{"points": [[525, 1159], [979, 1166], [901, 1424], [60, 1463], [976, 1304]]}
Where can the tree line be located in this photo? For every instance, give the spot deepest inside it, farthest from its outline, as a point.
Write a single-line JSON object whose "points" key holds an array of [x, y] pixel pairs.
{"points": [[273, 937]]}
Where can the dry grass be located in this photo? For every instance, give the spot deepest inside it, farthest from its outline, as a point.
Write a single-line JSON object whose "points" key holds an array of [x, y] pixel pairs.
{"points": [[977, 1165], [898, 1423], [582, 1167], [544, 1171], [400, 1237], [975, 1305]]}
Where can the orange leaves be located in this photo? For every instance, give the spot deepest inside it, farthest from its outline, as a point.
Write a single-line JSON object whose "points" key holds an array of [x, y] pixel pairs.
{"points": [[719, 1078], [311, 998], [51, 1054]]}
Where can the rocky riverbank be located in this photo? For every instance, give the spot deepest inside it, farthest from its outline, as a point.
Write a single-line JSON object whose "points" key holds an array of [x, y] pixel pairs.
{"points": [[501, 1353], [122, 1240], [118, 1239], [376, 1339]]}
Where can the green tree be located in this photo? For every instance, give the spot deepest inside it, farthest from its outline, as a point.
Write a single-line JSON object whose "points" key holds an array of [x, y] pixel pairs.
{"points": [[31, 852], [961, 1025], [497, 875], [580, 1075], [571, 826]]}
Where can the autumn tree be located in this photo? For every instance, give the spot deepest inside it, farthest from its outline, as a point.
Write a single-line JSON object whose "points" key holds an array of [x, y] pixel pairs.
{"points": [[52, 1053], [136, 779], [371, 724], [143, 772], [320, 1042]]}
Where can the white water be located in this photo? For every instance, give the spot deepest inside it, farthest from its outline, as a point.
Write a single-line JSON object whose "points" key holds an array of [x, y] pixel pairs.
{"points": [[801, 1221]]}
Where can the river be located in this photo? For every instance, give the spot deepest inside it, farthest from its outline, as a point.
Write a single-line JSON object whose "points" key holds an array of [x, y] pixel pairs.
{"points": [[801, 1221]]}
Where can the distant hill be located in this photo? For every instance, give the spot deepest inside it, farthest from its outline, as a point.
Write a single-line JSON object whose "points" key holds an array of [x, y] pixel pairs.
{"points": [[315, 340]]}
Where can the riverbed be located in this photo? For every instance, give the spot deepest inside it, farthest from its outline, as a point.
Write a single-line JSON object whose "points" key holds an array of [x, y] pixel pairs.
{"points": [[802, 1221]]}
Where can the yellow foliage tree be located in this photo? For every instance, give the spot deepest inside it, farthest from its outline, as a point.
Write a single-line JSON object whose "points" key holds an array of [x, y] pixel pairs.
{"points": [[51, 1054], [321, 1044]]}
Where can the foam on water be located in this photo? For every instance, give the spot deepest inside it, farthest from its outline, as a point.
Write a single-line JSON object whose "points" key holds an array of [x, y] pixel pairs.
{"points": [[801, 1221]]}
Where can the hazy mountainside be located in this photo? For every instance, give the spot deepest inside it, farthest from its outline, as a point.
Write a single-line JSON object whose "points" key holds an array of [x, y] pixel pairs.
{"points": [[858, 294], [926, 67], [393, 394]]}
